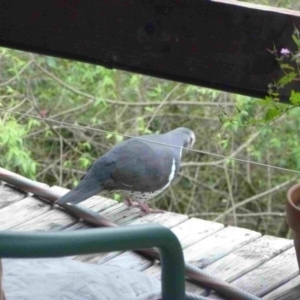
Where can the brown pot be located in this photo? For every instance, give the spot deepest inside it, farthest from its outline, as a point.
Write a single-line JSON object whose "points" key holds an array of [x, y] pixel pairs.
{"points": [[293, 216]]}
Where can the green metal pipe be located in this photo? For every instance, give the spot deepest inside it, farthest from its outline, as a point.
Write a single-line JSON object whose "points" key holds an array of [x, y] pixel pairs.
{"points": [[54, 244]]}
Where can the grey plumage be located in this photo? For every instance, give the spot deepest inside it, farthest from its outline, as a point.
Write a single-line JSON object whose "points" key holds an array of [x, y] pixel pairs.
{"points": [[139, 167]]}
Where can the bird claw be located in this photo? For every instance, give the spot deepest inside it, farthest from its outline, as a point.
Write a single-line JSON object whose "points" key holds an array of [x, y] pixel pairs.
{"points": [[143, 206]]}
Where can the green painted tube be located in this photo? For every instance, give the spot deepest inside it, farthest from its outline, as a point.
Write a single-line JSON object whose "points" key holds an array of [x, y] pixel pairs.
{"points": [[54, 244]]}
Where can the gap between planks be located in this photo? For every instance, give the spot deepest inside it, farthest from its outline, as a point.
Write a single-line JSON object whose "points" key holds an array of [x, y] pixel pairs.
{"points": [[287, 291], [189, 232], [122, 215], [211, 249], [58, 219]]}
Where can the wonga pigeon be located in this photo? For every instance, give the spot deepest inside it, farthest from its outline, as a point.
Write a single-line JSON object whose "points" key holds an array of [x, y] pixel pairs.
{"points": [[139, 168]]}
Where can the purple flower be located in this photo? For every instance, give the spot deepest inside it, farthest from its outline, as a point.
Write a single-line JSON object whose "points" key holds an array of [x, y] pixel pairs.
{"points": [[285, 52]]}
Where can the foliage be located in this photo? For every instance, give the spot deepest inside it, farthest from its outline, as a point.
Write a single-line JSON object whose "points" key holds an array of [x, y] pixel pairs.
{"points": [[270, 109], [17, 153]]}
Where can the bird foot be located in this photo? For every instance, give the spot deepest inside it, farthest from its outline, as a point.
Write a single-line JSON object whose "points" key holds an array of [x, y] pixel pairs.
{"points": [[131, 203], [143, 206]]}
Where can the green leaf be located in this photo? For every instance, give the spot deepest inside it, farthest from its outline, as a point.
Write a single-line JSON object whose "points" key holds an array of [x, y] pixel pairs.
{"points": [[9, 90], [224, 143], [287, 79], [149, 108], [287, 67], [134, 80], [265, 101], [108, 81], [33, 123], [99, 101], [117, 197], [51, 61], [272, 113], [275, 142], [86, 145], [295, 98], [67, 164], [109, 135], [119, 138], [296, 40], [84, 162], [230, 162], [75, 183], [296, 57], [48, 133]]}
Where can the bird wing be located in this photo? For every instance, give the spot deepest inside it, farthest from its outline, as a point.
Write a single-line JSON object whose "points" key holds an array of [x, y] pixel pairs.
{"points": [[141, 166]]}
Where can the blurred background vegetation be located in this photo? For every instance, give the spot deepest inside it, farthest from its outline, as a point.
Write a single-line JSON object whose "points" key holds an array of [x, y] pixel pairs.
{"points": [[93, 98]]}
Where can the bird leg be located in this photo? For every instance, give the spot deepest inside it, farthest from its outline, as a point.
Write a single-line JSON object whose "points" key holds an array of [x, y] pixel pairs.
{"points": [[143, 206], [130, 203]]}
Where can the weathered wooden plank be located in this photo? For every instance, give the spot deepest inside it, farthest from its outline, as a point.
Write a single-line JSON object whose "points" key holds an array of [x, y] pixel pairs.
{"points": [[259, 7], [128, 260], [101, 203], [288, 291], [114, 214], [155, 271], [122, 213], [240, 261], [188, 233], [52, 220], [195, 230], [118, 213], [57, 219], [167, 219], [233, 57], [218, 245], [9, 195], [96, 203], [270, 275], [211, 249], [248, 257], [197, 289], [22, 211]]}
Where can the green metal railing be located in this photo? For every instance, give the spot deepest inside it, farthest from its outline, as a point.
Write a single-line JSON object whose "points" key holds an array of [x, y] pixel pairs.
{"points": [[54, 244]]}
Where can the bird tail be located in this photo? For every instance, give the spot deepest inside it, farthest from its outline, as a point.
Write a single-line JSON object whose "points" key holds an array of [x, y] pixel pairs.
{"points": [[87, 188]]}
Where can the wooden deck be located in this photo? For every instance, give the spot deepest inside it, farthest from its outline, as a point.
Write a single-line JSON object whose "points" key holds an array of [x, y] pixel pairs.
{"points": [[263, 265]]}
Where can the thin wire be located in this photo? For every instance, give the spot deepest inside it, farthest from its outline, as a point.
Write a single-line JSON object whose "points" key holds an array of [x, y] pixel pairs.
{"points": [[159, 143]]}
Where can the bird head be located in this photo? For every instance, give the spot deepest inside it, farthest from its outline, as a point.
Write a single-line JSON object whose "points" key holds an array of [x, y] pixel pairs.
{"points": [[186, 135]]}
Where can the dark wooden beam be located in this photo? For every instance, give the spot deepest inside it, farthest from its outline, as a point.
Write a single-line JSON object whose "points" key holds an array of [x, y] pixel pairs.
{"points": [[216, 44]]}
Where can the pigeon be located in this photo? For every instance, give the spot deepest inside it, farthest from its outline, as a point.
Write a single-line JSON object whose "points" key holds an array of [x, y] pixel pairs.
{"points": [[139, 168]]}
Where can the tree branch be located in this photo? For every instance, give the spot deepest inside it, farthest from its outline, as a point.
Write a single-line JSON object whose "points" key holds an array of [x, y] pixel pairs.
{"points": [[254, 198]]}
